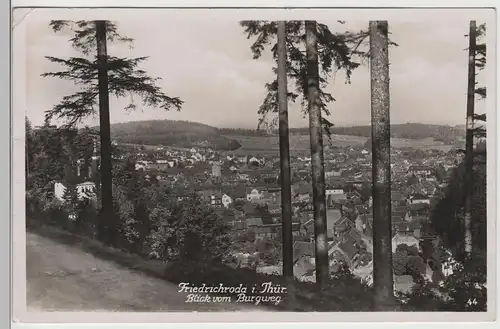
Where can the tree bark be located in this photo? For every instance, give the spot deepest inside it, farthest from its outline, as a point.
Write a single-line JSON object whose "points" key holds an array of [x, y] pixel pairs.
{"points": [[469, 141], [317, 157], [381, 167], [286, 194], [107, 229]]}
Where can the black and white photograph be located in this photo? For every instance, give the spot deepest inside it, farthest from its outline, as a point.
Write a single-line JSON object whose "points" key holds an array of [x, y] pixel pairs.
{"points": [[236, 160]]}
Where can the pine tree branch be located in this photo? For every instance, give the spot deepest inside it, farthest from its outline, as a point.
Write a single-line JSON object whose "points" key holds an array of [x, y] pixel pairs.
{"points": [[124, 77], [84, 39], [335, 54], [480, 117], [481, 91]]}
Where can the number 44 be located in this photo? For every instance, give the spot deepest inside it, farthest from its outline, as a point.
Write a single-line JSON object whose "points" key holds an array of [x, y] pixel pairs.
{"points": [[472, 301]]}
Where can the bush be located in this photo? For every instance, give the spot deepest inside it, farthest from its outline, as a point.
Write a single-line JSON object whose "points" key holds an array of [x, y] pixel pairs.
{"points": [[270, 251], [399, 260], [407, 261], [187, 230], [462, 291]]}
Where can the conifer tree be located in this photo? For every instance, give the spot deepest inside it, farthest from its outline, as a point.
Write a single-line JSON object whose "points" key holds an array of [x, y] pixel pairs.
{"points": [[381, 165], [469, 142], [317, 156], [99, 76], [334, 52]]}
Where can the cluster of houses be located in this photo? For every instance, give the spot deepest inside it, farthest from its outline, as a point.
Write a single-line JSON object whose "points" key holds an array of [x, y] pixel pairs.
{"points": [[246, 191], [349, 213]]}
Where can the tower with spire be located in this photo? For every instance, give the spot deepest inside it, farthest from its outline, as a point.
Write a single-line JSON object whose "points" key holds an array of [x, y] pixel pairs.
{"points": [[94, 165]]}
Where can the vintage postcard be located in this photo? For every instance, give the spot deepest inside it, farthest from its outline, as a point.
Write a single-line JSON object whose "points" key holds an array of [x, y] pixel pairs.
{"points": [[208, 164]]}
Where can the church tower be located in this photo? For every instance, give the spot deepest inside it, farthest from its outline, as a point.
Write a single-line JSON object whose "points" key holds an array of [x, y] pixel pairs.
{"points": [[94, 166]]}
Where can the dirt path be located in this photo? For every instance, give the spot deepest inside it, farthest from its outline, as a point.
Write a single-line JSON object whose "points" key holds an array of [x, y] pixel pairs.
{"points": [[65, 278]]}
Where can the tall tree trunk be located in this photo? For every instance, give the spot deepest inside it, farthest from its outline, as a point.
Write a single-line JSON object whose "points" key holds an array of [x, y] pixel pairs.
{"points": [[107, 229], [381, 166], [469, 140], [286, 193], [317, 157]]}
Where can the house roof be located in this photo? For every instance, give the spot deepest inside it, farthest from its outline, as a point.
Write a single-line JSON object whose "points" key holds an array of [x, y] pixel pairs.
{"points": [[236, 192], [239, 225], [401, 214], [343, 225], [303, 248], [250, 209], [301, 188], [396, 196], [361, 209], [210, 193], [402, 227], [420, 168], [332, 216], [419, 219], [415, 225], [262, 229], [419, 196], [397, 219], [254, 221], [419, 206], [348, 243]]}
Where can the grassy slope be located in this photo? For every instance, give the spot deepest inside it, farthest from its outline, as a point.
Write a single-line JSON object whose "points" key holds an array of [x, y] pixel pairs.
{"points": [[103, 278], [299, 143], [66, 272]]}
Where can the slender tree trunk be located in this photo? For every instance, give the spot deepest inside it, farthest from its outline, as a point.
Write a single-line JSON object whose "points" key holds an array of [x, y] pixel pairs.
{"points": [[469, 140], [317, 157], [286, 193], [381, 166], [107, 231]]}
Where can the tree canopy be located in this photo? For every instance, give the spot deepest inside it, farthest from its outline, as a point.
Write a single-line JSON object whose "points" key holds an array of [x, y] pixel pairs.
{"points": [[336, 51], [124, 76]]}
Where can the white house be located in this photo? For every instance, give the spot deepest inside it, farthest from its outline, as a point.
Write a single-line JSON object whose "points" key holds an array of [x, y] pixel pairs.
{"points": [[254, 195], [333, 191], [85, 190], [243, 176], [409, 240], [140, 166], [226, 200], [418, 198]]}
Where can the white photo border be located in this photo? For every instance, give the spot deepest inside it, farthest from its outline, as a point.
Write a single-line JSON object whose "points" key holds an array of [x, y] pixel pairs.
{"points": [[17, 191]]}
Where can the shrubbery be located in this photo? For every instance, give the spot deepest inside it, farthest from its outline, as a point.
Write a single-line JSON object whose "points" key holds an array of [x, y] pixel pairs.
{"points": [[151, 221], [462, 291], [408, 261]]}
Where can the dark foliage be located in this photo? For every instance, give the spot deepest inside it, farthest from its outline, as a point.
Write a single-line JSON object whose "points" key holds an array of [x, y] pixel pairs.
{"points": [[172, 133], [336, 52], [408, 261], [447, 216], [151, 222]]}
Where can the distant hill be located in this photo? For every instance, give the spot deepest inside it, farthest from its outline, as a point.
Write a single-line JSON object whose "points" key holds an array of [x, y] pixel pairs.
{"points": [[172, 133], [191, 134], [441, 133]]}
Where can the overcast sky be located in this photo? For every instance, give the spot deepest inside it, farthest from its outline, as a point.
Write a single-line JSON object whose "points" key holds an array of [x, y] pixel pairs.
{"points": [[204, 58]]}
